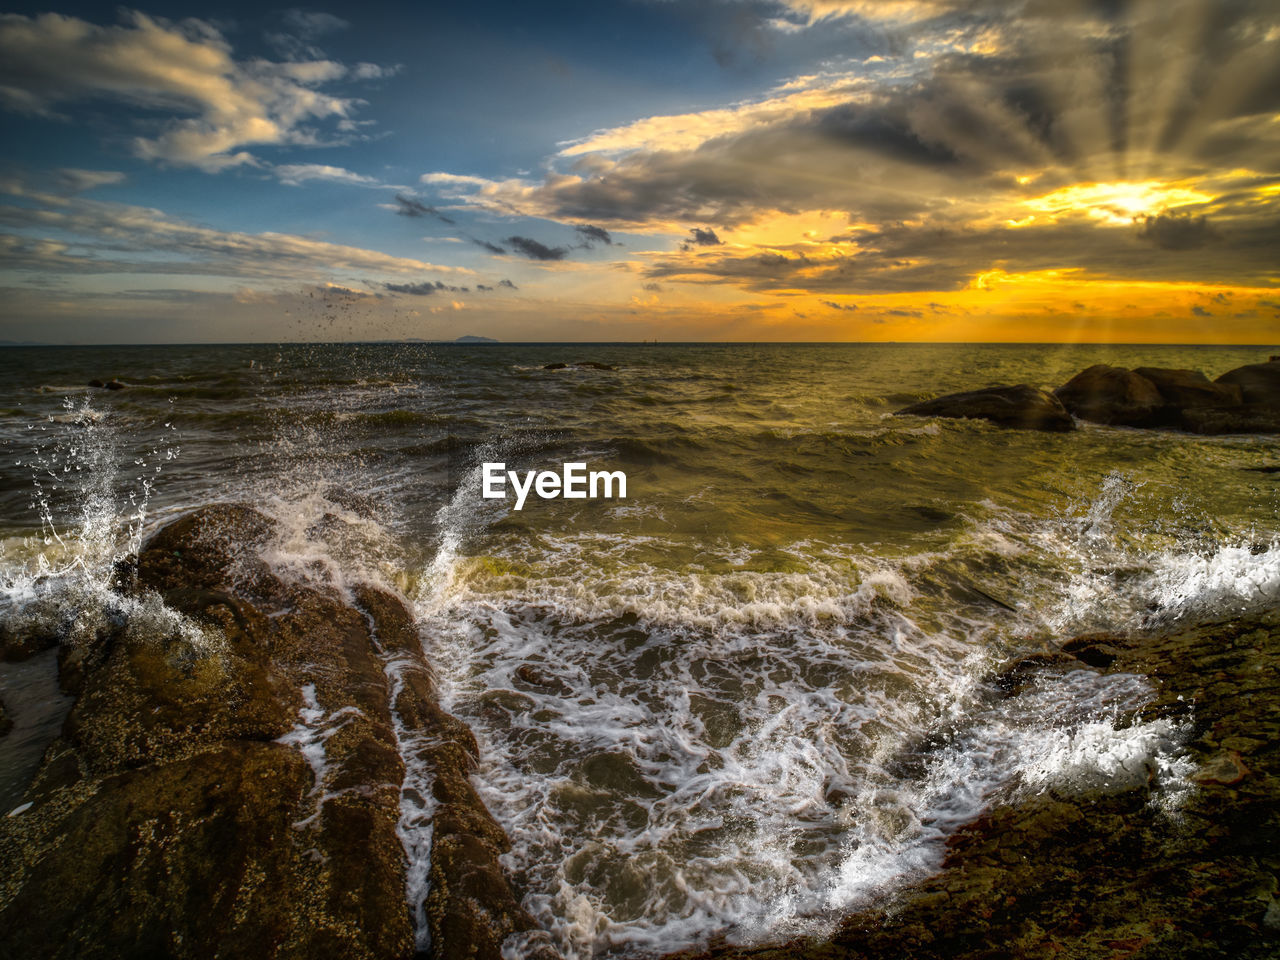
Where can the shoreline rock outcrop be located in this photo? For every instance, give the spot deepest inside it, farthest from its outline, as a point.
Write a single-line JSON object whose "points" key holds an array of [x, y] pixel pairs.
{"points": [[232, 786], [1243, 400], [1116, 871], [1021, 407]]}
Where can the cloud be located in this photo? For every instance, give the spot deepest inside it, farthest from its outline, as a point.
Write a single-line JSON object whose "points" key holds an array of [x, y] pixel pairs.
{"points": [[592, 235], [704, 237], [99, 237], [345, 293], [653, 287], [453, 180], [216, 106], [295, 174], [687, 131], [412, 207], [1201, 312], [985, 107], [508, 284], [77, 181], [301, 29], [1177, 231], [839, 306], [535, 250], [486, 245], [423, 289]]}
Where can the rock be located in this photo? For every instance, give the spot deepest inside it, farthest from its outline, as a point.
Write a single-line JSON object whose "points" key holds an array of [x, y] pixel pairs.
{"points": [[1024, 670], [1259, 383], [18, 641], [1245, 418], [95, 382], [6, 721], [114, 385], [556, 366], [178, 816], [537, 678], [1019, 406], [1112, 395], [1190, 388]]}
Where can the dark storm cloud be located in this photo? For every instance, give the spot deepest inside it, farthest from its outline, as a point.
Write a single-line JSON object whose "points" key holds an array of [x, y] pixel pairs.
{"points": [[535, 250], [592, 235], [413, 207], [1173, 231]]}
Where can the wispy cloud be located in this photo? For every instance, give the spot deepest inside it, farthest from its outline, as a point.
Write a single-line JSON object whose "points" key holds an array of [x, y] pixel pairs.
{"points": [[407, 206], [294, 174], [119, 238]]}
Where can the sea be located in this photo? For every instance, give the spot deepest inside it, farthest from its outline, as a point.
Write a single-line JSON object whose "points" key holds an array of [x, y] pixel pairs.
{"points": [[750, 696]]}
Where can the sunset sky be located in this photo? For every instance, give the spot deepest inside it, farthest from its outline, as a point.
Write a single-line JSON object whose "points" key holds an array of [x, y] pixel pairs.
{"points": [[674, 169]]}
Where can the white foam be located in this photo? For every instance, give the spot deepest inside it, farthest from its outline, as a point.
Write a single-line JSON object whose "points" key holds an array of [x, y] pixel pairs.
{"points": [[720, 748], [309, 734]]}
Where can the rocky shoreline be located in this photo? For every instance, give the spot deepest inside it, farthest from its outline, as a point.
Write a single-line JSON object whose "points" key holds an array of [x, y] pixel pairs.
{"points": [[1243, 400], [243, 791], [241, 795], [1108, 873]]}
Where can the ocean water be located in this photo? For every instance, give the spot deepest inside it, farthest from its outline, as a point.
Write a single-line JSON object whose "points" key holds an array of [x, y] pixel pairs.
{"points": [[748, 697]]}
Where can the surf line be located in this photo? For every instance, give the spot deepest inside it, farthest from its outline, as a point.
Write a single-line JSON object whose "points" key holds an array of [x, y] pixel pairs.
{"points": [[573, 482]]}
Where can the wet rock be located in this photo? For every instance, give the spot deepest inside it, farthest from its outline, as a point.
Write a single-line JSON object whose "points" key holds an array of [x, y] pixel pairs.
{"points": [[176, 816], [6, 721], [1183, 389], [18, 641], [95, 382], [1020, 406], [1113, 395], [114, 385], [535, 677], [1024, 670], [556, 366], [1259, 383], [1245, 418]]}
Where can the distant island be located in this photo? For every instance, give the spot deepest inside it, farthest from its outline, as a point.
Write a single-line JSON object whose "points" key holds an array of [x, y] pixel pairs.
{"points": [[471, 338]]}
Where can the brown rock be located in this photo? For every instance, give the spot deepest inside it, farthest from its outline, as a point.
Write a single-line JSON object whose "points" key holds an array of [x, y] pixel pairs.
{"points": [[20, 641], [1190, 388], [1259, 383], [1020, 406], [171, 820], [1112, 395], [1245, 418]]}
